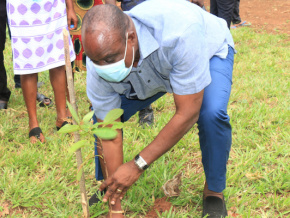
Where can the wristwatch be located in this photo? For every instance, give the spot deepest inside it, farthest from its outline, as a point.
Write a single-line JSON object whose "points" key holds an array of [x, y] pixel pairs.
{"points": [[141, 163]]}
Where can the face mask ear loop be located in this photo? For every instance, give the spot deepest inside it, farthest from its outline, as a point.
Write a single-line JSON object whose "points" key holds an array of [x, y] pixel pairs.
{"points": [[133, 56], [126, 46], [126, 50]]}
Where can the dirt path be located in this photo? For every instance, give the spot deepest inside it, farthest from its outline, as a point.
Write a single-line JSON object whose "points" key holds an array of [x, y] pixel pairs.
{"points": [[269, 15]]}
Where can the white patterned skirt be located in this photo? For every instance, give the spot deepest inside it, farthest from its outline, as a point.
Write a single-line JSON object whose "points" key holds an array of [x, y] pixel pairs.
{"points": [[36, 34]]}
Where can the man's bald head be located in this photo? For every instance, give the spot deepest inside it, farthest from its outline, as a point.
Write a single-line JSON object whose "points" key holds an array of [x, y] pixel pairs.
{"points": [[106, 18], [109, 35]]}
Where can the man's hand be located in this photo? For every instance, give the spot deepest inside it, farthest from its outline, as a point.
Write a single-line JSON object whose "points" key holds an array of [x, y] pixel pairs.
{"points": [[118, 184], [200, 3]]}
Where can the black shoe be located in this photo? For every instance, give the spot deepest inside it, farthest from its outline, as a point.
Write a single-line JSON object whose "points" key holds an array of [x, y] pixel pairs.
{"points": [[146, 116], [3, 105], [214, 207], [95, 197]]}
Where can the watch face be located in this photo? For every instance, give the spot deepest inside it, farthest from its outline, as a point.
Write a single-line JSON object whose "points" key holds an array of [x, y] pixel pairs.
{"points": [[141, 163]]}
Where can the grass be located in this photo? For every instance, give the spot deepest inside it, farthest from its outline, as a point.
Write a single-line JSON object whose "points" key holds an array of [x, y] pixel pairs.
{"points": [[40, 180]]}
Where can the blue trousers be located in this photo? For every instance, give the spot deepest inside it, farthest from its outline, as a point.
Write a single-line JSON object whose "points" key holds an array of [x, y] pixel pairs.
{"points": [[215, 134]]}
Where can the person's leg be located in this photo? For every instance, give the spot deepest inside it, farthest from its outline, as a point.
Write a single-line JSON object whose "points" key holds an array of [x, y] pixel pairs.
{"points": [[17, 81], [58, 82], [236, 13], [111, 159], [4, 91], [16, 77], [213, 7], [215, 134], [29, 89], [225, 10], [214, 123]]}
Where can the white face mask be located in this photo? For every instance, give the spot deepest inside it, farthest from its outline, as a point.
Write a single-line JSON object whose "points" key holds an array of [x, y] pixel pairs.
{"points": [[115, 72]]}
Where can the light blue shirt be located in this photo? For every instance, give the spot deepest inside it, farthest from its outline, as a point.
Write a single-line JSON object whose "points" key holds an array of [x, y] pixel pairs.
{"points": [[176, 41]]}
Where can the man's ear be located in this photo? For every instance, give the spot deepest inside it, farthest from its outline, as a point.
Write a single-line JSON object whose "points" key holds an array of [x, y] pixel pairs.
{"points": [[132, 37]]}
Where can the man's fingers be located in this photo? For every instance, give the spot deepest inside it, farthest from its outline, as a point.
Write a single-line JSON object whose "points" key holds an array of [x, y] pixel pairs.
{"points": [[105, 184], [123, 193], [110, 191], [116, 195]]}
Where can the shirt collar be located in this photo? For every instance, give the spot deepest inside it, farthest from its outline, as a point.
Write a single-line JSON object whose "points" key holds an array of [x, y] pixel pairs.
{"points": [[147, 43]]}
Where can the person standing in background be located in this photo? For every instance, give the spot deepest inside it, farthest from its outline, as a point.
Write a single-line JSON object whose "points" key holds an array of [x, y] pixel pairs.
{"points": [[223, 9], [37, 45], [236, 19], [4, 91], [81, 8]]}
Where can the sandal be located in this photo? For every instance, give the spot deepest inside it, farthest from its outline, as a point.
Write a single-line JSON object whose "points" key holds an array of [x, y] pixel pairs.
{"points": [[65, 122], [241, 24], [43, 100], [35, 132]]}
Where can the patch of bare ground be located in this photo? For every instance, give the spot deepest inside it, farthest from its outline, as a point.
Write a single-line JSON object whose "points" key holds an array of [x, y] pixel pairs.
{"points": [[268, 15], [161, 205]]}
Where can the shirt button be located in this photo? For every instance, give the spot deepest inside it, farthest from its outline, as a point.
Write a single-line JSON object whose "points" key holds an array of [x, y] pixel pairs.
{"points": [[149, 81], [140, 71]]}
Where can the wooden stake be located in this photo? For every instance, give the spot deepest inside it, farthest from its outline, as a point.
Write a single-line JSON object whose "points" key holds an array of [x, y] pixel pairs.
{"points": [[71, 90]]}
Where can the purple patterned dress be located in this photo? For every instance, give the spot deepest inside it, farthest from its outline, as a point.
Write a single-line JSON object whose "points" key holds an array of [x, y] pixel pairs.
{"points": [[36, 34]]}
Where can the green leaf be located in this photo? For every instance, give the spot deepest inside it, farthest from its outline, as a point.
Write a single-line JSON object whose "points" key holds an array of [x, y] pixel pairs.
{"points": [[86, 127], [97, 124], [106, 133], [113, 115], [88, 116], [79, 174], [73, 113], [117, 125], [69, 128], [76, 146]]}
